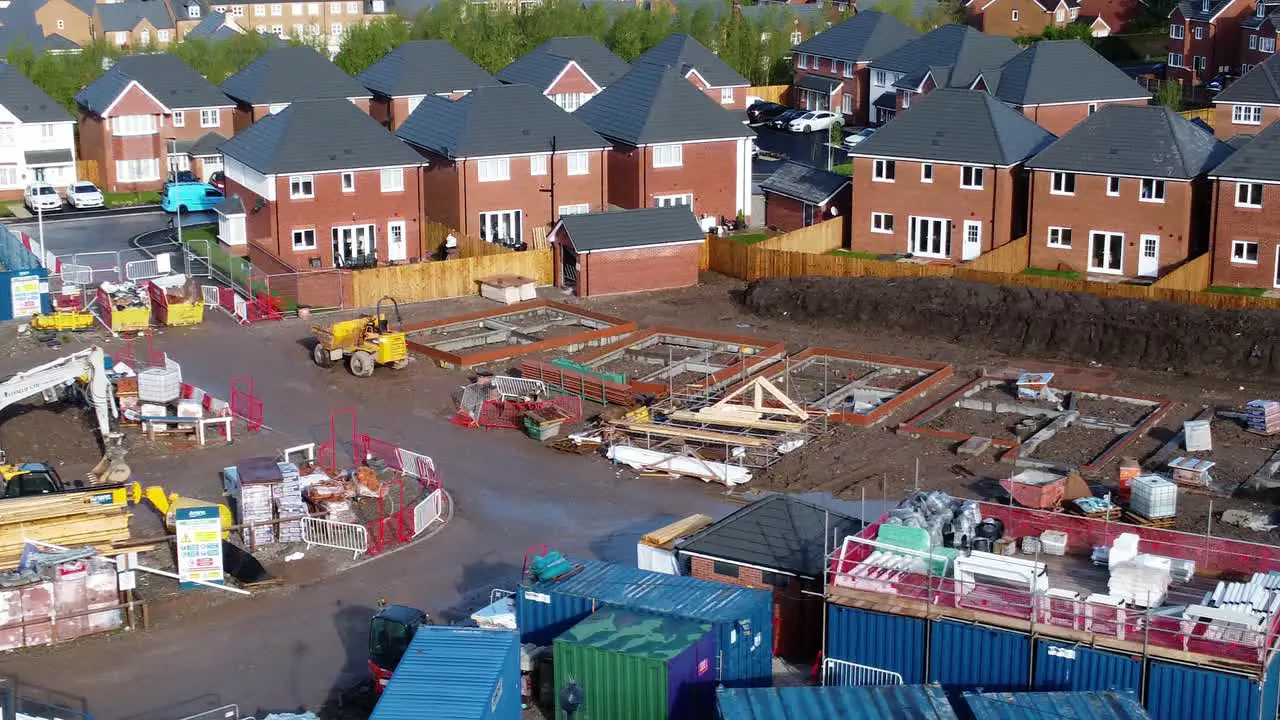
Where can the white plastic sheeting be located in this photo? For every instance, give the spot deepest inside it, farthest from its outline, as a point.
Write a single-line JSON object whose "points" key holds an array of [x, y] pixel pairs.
{"points": [[652, 460]]}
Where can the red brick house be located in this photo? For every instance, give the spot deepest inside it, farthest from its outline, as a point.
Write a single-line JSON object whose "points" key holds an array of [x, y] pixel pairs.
{"points": [[831, 69], [797, 196], [1109, 17], [133, 118], [1123, 194], [1249, 104], [778, 543], [568, 70], [289, 74], [416, 69], [344, 192], [701, 67], [1204, 39], [503, 160], [672, 145], [1258, 35], [944, 180], [1246, 211], [621, 251], [1014, 18]]}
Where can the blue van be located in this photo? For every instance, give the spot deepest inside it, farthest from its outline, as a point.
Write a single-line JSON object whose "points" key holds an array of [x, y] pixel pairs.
{"points": [[189, 197]]}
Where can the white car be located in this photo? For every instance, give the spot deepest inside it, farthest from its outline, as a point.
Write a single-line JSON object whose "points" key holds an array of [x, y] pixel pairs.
{"points": [[855, 139], [815, 120], [84, 194], [41, 196]]}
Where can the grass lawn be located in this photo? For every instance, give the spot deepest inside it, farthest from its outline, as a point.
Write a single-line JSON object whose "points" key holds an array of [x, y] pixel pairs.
{"points": [[750, 238], [127, 199], [855, 254], [842, 168], [1045, 272], [239, 269], [1224, 290]]}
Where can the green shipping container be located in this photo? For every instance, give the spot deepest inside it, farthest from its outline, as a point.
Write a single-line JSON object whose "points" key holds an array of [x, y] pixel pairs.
{"points": [[637, 666]]}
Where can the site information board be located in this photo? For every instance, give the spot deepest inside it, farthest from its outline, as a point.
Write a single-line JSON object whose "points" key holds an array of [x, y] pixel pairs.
{"points": [[199, 531]]}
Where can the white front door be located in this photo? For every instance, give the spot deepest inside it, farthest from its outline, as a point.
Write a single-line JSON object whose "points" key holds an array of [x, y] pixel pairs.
{"points": [[1106, 252], [930, 237], [397, 249], [1149, 256], [972, 240]]}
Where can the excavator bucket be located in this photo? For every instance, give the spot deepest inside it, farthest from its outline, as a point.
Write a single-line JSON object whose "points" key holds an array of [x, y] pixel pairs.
{"points": [[111, 469]]}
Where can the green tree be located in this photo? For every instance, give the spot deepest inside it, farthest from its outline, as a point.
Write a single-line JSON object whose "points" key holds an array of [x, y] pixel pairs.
{"points": [[217, 60], [1074, 31], [62, 76], [364, 45]]}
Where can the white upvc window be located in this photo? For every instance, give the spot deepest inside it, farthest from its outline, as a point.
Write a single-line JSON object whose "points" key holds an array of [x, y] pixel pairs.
{"points": [[665, 156], [8, 176], [1064, 183], [797, 37], [1249, 195], [144, 37], [971, 177], [1152, 190], [1060, 15], [880, 77], [501, 225], [313, 8], [277, 10], [682, 200], [1246, 114], [211, 118], [296, 8], [847, 70], [1177, 32], [926, 172], [802, 61], [1113, 186], [237, 10], [884, 170], [1059, 237], [726, 96], [1198, 32], [179, 118], [392, 180], [1253, 42], [579, 163], [193, 11], [348, 182], [163, 36], [1267, 44], [335, 8], [882, 223], [493, 169], [125, 125], [277, 30], [1014, 15], [538, 165], [7, 134], [138, 170], [259, 10], [1175, 60], [578, 209], [1198, 62], [304, 239], [301, 187], [353, 8], [335, 30], [1244, 252]]}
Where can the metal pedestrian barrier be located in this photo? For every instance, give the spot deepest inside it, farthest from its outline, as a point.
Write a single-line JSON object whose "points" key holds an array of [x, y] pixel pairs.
{"points": [[226, 712], [337, 535], [845, 673], [429, 511]]}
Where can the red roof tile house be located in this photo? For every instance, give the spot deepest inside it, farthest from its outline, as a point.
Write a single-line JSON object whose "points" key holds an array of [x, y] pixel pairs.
{"points": [[1249, 104], [672, 145], [137, 113], [503, 160], [1204, 39], [944, 180], [568, 70], [1019, 17], [831, 69], [701, 67], [289, 74], [341, 192], [1246, 215], [1123, 194], [416, 69]]}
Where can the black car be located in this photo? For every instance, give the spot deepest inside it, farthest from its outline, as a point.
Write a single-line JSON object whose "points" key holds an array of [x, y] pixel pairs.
{"points": [[783, 121], [764, 111]]}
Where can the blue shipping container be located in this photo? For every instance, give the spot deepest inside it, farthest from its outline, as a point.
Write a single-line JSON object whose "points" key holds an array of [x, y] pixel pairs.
{"points": [[888, 642], [917, 702], [1067, 666], [743, 618], [973, 657], [455, 673], [1104, 705], [1182, 692]]}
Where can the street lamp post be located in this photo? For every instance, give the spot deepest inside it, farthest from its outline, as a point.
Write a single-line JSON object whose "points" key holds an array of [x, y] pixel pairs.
{"points": [[173, 168]]}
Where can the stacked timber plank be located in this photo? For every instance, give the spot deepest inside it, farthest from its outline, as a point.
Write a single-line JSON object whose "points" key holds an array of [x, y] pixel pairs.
{"points": [[70, 519]]}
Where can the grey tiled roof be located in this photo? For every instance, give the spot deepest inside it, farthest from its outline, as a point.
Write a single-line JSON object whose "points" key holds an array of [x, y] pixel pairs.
{"points": [[171, 81], [684, 53], [962, 126], [125, 16], [1257, 159], [1147, 141], [496, 120], [804, 182], [541, 66], [864, 37], [27, 102], [656, 104], [423, 67], [207, 145], [58, 42], [1259, 85], [213, 26], [632, 228], [818, 83], [1062, 71], [779, 532], [289, 74], [1195, 9], [47, 157], [318, 135], [959, 47]]}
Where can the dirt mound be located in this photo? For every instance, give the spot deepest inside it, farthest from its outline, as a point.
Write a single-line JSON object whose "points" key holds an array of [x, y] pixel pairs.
{"points": [[1030, 321]]}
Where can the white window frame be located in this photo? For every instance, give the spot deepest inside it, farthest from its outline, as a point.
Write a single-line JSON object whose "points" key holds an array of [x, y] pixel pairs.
{"points": [[62, 24], [579, 163], [1060, 181], [1253, 39], [313, 8], [277, 9], [1013, 15], [668, 156], [1246, 114], [335, 8], [944, 252], [1175, 60], [881, 78], [576, 209], [882, 223], [1060, 15], [926, 172], [1197, 32], [797, 37], [348, 182], [138, 170], [514, 217], [885, 171], [178, 118], [9, 176], [144, 37], [1177, 32], [496, 169], [353, 8], [302, 187], [538, 165], [972, 177], [1267, 44], [1055, 237], [237, 11], [802, 61], [193, 12], [1113, 180], [1245, 192], [297, 9], [300, 241], [210, 118], [335, 30], [726, 96], [1155, 184], [391, 180], [681, 199], [259, 10], [1199, 62], [162, 36], [1104, 270], [134, 125], [1241, 258]]}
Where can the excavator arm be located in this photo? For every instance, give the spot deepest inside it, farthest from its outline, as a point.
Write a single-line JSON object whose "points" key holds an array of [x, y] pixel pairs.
{"points": [[83, 364]]}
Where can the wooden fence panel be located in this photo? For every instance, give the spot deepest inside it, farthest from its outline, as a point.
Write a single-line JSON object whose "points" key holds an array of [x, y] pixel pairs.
{"points": [[446, 278], [819, 238], [88, 170], [435, 233], [1192, 275], [772, 93], [1011, 258]]}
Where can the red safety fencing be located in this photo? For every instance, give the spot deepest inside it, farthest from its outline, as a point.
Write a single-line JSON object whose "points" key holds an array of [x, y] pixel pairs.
{"points": [[129, 355], [508, 413], [245, 405]]}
